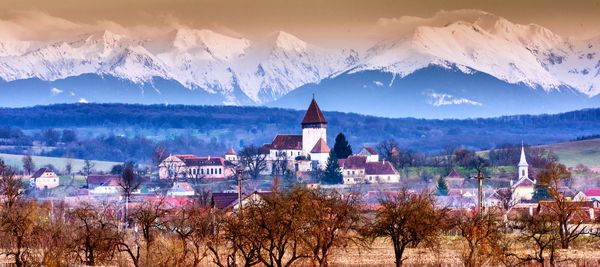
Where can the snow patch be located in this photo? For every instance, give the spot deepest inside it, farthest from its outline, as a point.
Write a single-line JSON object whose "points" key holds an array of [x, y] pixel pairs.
{"points": [[55, 91], [83, 100], [441, 99]]}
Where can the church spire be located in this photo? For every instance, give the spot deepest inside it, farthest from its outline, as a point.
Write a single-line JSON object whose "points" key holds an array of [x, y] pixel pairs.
{"points": [[523, 161], [523, 166]]}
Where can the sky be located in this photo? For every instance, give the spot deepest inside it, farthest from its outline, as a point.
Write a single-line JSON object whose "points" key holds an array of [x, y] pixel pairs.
{"points": [[318, 21]]}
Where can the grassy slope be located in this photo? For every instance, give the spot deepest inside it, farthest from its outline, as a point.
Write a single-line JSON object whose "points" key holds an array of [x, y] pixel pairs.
{"points": [[586, 152], [16, 160]]}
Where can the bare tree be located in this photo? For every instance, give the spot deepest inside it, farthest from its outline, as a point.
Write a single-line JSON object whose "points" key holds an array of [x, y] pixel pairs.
{"points": [[482, 235], [333, 221], [11, 188], [88, 165], [566, 212], [273, 227], [16, 224], [193, 227], [542, 230], [128, 183], [28, 164], [407, 219], [96, 235], [149, 219], [253, 161], [158, 155]]}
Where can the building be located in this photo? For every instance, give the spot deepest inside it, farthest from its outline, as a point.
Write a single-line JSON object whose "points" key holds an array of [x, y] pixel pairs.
{"points": [[455, 179], [370, 153], [524, 187], [357, 169], [192, 167], [110, 187], [230, 155], [95, 180], [298, 150], [44, 178], [181, 189]]}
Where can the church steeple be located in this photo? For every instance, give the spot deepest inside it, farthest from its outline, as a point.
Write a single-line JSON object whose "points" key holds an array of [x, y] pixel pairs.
{"points": [[314, 127], [523, 166]]}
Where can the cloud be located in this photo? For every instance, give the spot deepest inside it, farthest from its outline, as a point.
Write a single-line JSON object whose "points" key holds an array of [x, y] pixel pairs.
{"points": [[83, 101], [55, 91], [378, 83], [440, 99]]}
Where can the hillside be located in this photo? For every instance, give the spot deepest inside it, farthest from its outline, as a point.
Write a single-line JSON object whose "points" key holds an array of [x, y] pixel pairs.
{"points": [[58, 163], [236, 126], [586, 152]]}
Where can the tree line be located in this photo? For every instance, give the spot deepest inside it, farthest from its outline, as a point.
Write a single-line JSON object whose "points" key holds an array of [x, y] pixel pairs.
{"points": [[281, 228]]}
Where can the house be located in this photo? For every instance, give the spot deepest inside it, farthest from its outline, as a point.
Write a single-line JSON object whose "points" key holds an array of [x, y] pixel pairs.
{"points": [[110, 187], [181, 189], [229, 202], [580, 196], [310, 146], [455, 179], [524, 187], [592, 193], [44, 178], [357, 170], [95, 180], [370, 153], [230, 155], [186, 166]]}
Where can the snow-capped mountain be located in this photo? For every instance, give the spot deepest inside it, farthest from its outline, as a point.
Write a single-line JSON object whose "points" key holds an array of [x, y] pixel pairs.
{"points": [[236, 70]]}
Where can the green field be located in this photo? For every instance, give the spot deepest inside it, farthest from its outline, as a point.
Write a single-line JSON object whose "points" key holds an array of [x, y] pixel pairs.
{"points": [[59, 163], [586, 152]]}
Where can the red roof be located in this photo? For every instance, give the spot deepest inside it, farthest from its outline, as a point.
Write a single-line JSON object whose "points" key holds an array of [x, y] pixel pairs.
{"points": [[592, 192], [223, 200], [230, 151], [525, 182], [204, 161], [454, 174], [379, 168], [370, 150], [320, 147], [98, 179], [41, 171], [287, 141], [354, 162], [265, 148], [313, 114]]}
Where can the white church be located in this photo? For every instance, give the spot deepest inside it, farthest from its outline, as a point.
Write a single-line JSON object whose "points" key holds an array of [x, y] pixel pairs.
{"points": [[305, 152], [524, 187]]}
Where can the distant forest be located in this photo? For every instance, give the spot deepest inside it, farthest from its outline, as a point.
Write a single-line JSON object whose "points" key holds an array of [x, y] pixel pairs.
{"points": [[212, 129]]}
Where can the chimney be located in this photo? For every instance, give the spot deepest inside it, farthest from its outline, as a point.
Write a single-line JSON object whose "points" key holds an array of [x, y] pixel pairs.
{"points": [[530, 210]]}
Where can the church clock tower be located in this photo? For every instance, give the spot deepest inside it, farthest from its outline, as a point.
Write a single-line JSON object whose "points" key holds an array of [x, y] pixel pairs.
{"points": [[314, 127]]}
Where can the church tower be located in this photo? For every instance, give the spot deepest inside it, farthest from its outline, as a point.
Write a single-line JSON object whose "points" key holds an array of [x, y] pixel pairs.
{"points": [[314, 127], [523, 166]]}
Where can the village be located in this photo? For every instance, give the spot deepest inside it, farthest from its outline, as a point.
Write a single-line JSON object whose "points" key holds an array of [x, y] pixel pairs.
{"points": [[371, 184]]}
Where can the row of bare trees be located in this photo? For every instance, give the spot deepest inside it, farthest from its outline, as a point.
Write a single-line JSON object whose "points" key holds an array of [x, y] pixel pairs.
{"points": [[281, 228]]}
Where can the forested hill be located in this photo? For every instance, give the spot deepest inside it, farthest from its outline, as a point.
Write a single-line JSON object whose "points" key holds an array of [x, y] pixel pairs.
{"points": [[236, 126]]}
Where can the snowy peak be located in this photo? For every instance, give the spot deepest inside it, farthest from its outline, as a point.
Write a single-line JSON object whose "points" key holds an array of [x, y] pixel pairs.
{"points": [[220, 46], [289, 42]]}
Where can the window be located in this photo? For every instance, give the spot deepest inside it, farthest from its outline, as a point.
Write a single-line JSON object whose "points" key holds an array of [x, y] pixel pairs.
{"points": [[348, 172], [523, 173], [389, 179], [370, 178], [201, 171], [352, 172], [219, 171]]}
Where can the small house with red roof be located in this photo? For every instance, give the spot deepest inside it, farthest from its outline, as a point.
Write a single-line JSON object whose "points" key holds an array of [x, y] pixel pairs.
{"points": [[370, 153], [357, 170], [455, 179], [181, 189], [230, 155], [44, 178], [592, 193]]}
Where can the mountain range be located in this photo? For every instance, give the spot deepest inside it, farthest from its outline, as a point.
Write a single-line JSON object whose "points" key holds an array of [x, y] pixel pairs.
{"points": [[456, 64]]}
